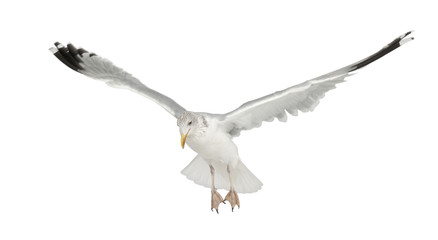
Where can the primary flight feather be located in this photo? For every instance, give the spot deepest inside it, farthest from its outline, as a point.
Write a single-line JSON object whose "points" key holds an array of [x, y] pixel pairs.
{"points": [[218, 164]]}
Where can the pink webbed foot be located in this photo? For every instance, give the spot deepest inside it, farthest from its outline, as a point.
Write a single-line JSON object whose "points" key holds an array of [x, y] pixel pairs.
{"points": [[233, 198], [216, 199]]}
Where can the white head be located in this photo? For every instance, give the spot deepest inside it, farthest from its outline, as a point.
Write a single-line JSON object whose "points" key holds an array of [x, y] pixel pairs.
{"points": [[193, 123]]}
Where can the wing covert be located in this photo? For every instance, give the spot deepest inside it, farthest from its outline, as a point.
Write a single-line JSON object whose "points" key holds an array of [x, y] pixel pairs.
{"points": [[303, 97], [100, 68]]}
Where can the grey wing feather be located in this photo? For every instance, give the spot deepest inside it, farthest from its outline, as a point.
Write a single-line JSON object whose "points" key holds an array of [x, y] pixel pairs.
{"points": [[100, 68], [303, 97]]}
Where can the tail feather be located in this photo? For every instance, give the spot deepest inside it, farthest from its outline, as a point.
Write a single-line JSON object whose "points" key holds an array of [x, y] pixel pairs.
{"points": [[244, 180]]}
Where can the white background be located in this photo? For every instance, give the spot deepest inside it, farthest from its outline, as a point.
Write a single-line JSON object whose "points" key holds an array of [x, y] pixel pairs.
{"points": [[80, 160]]}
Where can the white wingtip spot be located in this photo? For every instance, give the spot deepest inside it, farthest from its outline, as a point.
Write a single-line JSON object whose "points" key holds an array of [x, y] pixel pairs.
{"points": [[53, 50], [406, 40]]}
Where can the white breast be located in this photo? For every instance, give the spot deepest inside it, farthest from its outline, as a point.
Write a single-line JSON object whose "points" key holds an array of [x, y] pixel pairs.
{"points": [[215, 145]]}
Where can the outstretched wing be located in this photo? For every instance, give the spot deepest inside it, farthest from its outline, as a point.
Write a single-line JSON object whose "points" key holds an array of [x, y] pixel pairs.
{"points": [[100, 68], [304, 97]]}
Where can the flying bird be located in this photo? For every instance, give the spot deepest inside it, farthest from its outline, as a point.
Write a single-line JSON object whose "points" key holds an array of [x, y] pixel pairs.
{"points": [[218, 164]]}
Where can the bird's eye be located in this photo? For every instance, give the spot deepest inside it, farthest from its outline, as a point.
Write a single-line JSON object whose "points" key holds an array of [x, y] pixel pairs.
{"points": [[190, 123]]}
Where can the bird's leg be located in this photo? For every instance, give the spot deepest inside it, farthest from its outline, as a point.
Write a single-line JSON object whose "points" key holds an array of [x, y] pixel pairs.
{"points": [[232, 194], [216, 198]]}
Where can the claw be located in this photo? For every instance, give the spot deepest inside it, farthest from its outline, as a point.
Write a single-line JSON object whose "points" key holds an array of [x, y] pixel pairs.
{"points": [[215, 209]]}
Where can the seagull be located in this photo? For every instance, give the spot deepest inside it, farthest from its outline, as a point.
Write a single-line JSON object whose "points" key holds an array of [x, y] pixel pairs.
{"points": [[218, 164]]}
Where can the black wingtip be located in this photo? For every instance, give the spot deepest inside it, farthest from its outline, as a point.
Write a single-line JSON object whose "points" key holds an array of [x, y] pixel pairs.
{"points": [[406, 34], [67, 55], [81, 51], [385, 50]]}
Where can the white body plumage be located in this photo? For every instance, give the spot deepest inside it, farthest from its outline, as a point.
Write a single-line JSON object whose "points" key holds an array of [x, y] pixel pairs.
{"points": [[210, 135], [214, 144], [207, 136]]}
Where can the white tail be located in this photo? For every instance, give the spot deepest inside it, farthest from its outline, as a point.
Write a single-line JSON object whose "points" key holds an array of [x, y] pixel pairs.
{"points": [[244, 181]]}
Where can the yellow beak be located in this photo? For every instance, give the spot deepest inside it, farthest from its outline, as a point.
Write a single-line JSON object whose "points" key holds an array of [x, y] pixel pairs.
{"points": [[183, 138]]}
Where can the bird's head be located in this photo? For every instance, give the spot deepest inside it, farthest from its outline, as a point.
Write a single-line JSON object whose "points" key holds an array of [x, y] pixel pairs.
{"points": [[191, 125]]}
